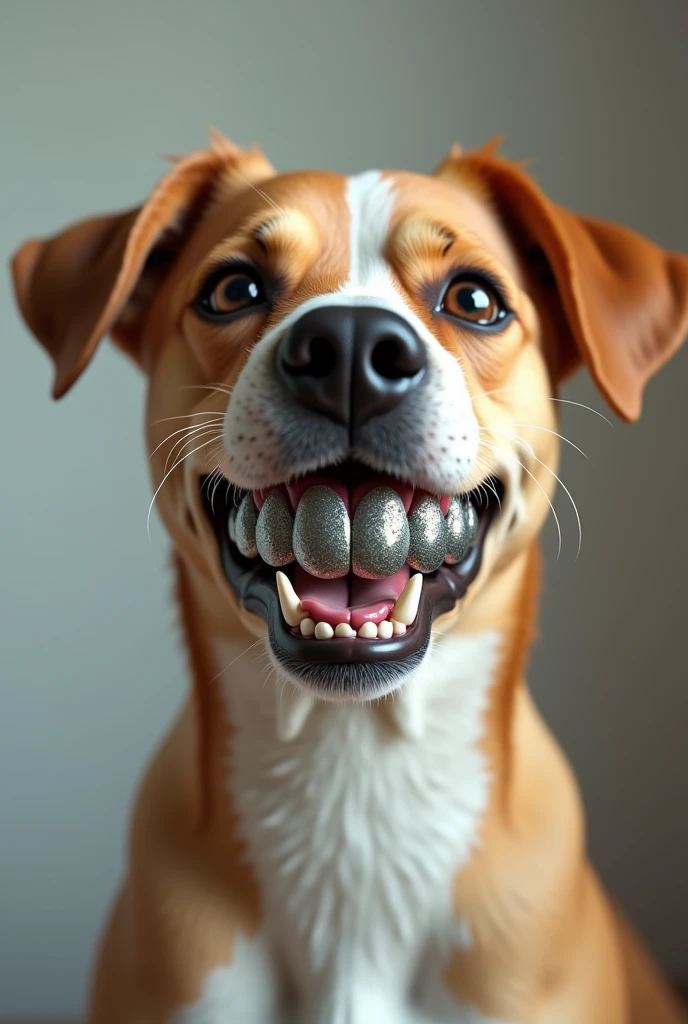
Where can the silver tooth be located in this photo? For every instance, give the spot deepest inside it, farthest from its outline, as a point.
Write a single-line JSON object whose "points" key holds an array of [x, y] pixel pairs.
{"points": [[428, 536], [245, 526], [472, 522], [274, 531], [458, 541], [322, 533], [380, 534]]}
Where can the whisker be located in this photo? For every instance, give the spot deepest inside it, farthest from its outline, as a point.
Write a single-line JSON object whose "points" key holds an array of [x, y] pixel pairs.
{"points": [[536, 426], [507, 451], [222, 389], [190, 415], [182, 430], [167, 474], [260, 640], [568, 493], [547, 398], [186, 442]]}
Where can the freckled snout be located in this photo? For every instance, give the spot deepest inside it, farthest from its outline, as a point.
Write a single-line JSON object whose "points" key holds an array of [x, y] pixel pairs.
{"points": [[350, 363]]}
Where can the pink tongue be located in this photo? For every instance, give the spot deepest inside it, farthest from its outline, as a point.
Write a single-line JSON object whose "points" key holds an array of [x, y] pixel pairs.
{"points": [[330, 600]]}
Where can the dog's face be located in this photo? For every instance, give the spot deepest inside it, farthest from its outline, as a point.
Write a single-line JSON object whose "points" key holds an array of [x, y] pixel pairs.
{"points": [[350, 412]]}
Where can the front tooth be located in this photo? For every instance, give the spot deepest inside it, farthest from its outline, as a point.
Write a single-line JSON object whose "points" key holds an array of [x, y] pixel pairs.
{"points": [[406, 608], [343, 629], [385, 629], [428, 534], [289, 601], [245, 526], [368, 631], [380, 535], [458, 540], [324, 631], [472, 521], [322, 533], [273, 531]]}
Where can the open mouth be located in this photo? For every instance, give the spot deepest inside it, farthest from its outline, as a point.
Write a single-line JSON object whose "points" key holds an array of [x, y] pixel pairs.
{"points": [[349, 569]]}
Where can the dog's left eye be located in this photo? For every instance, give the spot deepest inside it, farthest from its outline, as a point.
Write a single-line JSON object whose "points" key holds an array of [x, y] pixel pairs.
{"points": [[475, 301], [231, 293]]}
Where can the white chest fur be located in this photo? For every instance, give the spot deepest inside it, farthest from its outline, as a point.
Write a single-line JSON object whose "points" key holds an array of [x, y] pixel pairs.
{"points": [[355, 830]]}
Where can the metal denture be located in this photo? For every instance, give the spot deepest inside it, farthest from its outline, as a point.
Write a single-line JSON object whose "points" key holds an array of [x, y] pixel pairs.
{"points": [[324, 541]]}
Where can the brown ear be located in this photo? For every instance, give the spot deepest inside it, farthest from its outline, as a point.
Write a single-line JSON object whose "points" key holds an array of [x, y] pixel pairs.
{"points": [[624, 300], [87, 281]]}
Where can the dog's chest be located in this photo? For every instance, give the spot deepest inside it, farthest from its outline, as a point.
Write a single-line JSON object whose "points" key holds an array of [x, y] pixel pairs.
{"points": [[356, 831]]}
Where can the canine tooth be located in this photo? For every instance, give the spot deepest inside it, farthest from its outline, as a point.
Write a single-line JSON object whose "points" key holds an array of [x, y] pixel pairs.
{"points": [[344, 629], [458, 540], [380, 535], [368, 631], [293, 709], [384, 629], [471, 521], [324, 631], [307, 627], [245, 525], [273, 531], [428, 536], [289, 600], [406, 608], [322, 533], [398, 628]]}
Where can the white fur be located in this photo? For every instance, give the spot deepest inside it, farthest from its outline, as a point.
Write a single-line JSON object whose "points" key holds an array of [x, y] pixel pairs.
{"points": [[246, 991], [356, 833], [259, 413]]}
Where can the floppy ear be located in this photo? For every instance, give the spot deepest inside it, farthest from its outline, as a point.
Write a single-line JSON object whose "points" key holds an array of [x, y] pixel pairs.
{"points": [[98, 276], [624, 300]]}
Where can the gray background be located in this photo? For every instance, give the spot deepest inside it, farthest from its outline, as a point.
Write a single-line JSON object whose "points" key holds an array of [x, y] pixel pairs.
{"points": [[91, 94]]}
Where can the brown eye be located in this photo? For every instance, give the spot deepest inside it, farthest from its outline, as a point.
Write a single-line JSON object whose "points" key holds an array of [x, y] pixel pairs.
{"points": [[475, 301], [231, 293]]}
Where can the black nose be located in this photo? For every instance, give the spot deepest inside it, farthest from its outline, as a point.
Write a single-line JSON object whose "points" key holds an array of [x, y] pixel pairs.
{"points": [[350, 363]]}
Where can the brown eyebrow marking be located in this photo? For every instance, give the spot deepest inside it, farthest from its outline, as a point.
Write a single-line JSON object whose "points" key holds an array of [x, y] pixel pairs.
{"points": [[421, 235], [261, 234]]}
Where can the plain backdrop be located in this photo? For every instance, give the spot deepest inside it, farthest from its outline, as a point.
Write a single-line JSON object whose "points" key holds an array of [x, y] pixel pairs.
{"points": [[92, 94]]}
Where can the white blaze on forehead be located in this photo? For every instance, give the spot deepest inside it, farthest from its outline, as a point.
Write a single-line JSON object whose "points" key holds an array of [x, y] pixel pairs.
{"points": [[370, 199], [438, 444]]}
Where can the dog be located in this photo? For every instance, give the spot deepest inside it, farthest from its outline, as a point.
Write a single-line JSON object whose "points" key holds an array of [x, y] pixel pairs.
{"points": [[359, 817]]}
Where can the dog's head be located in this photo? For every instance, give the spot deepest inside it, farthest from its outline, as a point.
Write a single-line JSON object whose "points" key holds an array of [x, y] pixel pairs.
{"points": [[350, 408]]}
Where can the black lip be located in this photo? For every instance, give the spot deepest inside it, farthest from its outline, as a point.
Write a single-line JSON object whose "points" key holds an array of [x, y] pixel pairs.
{"points": [[341, 666]]}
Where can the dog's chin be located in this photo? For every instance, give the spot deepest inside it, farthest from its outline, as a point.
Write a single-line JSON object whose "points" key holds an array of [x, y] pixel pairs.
{"points": [[352, 667]]}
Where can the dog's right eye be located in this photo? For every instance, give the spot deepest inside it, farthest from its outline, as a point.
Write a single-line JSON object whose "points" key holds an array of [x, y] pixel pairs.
{"points": [[230, 293]]}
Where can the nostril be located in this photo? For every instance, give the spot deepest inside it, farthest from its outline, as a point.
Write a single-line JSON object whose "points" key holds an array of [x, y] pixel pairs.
{"points": [[318, 360], [393, 361]]}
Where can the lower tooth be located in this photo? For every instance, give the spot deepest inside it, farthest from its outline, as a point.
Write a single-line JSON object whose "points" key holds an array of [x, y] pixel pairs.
{"points": [[406, 608], [323, 631], [343, 629], [307, 627], [368, 631], [385, 630], [398, 628]]}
